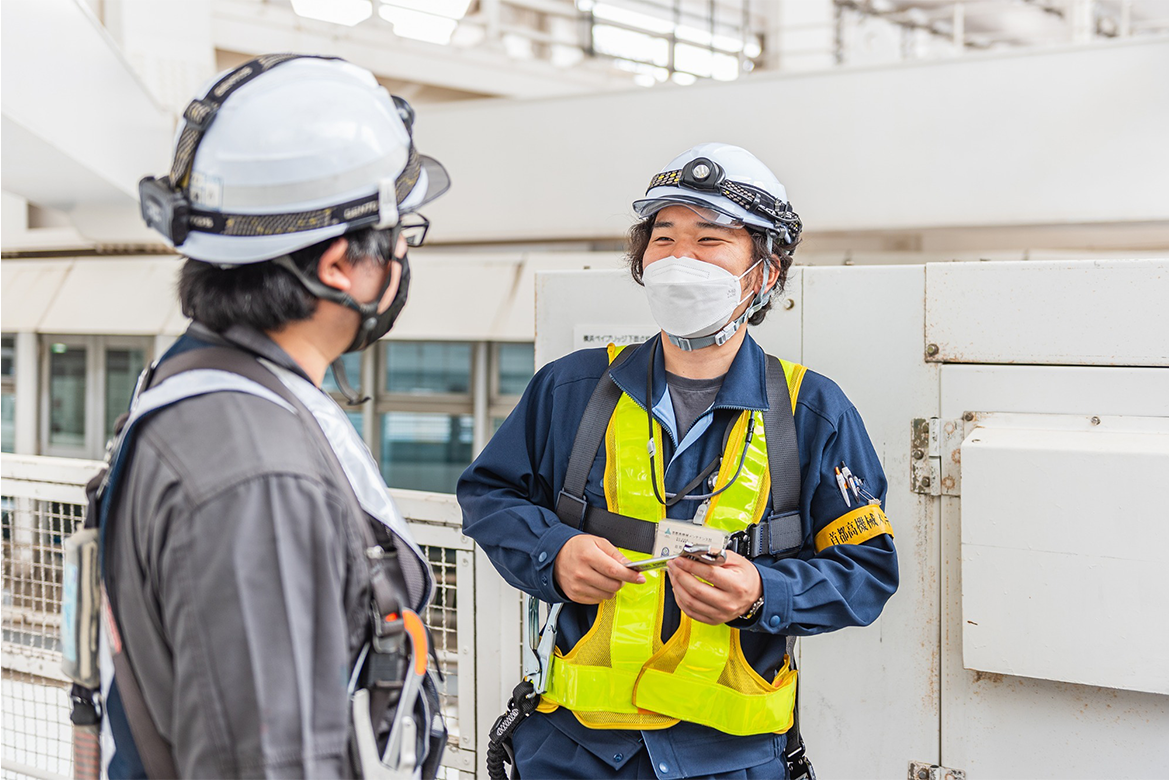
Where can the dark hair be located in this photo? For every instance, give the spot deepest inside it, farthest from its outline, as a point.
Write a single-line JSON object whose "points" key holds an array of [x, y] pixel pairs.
{"points": [[263, 295], [779, 259]]}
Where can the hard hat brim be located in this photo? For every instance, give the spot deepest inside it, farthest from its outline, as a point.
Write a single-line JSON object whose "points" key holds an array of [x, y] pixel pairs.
{"points": [[648, 207], [433, 181]]}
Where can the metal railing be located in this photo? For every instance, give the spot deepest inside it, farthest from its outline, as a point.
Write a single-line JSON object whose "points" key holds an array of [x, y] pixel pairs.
{"points": [[43, 501]]}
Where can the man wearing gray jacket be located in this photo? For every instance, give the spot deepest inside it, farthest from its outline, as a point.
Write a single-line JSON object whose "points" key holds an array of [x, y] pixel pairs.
{"points": [[263, 590]]}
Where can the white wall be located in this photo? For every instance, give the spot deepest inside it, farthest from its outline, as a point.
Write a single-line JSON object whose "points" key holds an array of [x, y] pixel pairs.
{"points": [[1057, 136]]}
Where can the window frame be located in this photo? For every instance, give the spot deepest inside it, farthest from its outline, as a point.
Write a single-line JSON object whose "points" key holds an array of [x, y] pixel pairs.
{"points": [[374, 374], [95, 435], [501, 405], [8, 383]]}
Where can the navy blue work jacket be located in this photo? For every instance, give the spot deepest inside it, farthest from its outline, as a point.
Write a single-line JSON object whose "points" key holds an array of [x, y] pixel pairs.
{"points": [[508, 496]]}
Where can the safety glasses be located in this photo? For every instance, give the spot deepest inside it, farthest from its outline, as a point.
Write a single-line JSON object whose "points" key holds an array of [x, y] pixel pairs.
{"points": [[413, 227]]}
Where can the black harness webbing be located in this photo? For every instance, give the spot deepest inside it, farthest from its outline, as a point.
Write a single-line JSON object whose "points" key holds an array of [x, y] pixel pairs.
{"points": [[623, 531], [781, 534]]}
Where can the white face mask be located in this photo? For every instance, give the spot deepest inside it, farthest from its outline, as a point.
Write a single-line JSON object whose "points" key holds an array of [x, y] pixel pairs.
{"points": [[689, 298]]}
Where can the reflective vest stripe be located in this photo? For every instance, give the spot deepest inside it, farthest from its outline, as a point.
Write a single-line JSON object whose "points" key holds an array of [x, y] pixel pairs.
{"points": [[794, 375], [742, 503], [620, 674]]}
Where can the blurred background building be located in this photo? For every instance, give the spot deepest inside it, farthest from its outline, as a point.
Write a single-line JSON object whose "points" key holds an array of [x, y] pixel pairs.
{"points": [[905, 132], [910, 135]]}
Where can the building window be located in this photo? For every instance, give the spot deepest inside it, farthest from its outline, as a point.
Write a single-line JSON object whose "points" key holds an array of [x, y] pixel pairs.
{"points": [[122, 369], [514, 368], [423, 433], [7, 394], [67, 380], [87, 384], [425, 413], [428, 367], [425, 450]]}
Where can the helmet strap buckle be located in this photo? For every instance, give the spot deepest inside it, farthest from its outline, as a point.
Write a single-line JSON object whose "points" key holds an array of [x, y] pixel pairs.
{"points": [[387, 204]]}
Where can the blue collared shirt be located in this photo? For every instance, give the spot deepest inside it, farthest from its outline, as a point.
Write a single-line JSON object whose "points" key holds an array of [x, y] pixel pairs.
{"points": [[507, 496]]}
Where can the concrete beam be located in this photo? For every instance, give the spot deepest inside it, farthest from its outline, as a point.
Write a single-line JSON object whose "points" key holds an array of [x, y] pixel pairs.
{"points": [[256, 28]]}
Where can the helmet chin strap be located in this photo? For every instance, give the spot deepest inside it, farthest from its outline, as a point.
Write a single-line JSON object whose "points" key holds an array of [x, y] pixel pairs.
{"points": [[724, 334], [367, 311], [341, 376]]}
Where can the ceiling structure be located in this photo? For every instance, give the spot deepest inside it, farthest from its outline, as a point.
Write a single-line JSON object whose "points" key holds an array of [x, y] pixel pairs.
{"points": [[443, 50], [128, 67]]}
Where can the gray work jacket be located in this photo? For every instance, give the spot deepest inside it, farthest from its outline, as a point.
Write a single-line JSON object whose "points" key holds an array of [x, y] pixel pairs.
{"points": [[240, 582]]}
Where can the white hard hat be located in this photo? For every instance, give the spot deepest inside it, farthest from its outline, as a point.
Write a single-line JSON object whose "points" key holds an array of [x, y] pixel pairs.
{"points": [[274, 159], [729, 180]]}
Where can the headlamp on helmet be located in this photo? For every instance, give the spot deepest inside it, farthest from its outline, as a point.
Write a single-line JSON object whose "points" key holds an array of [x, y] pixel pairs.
{"points": [[729, 180]]}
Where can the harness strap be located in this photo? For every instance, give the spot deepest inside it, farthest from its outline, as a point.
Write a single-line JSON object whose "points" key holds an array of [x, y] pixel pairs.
{"points": [[155, 752], [623, 531], [782, 533], [571, 507]]}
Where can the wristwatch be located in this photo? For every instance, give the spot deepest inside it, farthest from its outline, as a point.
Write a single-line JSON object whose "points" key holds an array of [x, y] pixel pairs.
{"points": [[753, 609]]}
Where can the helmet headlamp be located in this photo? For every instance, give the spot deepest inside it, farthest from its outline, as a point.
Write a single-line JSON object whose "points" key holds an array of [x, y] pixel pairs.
{"points": [[702, 174], [164, 209]]}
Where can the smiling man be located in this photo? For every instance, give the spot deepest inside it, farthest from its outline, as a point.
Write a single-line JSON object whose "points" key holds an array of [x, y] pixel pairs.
{"points": [[625, 455]]}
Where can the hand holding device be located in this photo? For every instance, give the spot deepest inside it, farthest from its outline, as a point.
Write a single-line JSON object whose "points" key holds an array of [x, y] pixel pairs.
{"points": [[589, 569], [715, 594]]}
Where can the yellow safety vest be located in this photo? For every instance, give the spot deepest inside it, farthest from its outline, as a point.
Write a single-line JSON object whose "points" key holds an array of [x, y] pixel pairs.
{"points": [[620, 675]]}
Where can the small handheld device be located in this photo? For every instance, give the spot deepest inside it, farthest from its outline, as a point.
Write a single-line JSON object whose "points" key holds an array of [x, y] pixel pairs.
{"points": [[704, 553], [652, 564]]}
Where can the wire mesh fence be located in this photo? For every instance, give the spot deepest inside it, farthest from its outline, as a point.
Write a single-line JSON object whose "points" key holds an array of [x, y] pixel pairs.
{"points": [[441, 618], [41, 504], [36, 738]]}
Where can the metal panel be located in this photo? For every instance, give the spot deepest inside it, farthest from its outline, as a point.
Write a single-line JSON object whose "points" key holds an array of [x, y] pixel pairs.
{"points": [[876, 689], [1083, 390], [1106, 313], [567, 299], [992, 724], [1049, 535], [483, 297], [466, 667], [887, 704], [498, 625]]}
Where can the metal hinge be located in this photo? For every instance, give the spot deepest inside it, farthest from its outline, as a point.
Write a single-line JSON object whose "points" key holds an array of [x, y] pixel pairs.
{"points": [[922, 771], [934, 456]]}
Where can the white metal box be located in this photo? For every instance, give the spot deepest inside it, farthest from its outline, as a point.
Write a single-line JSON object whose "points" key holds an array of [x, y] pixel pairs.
{"points": [[1064, 549]]}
